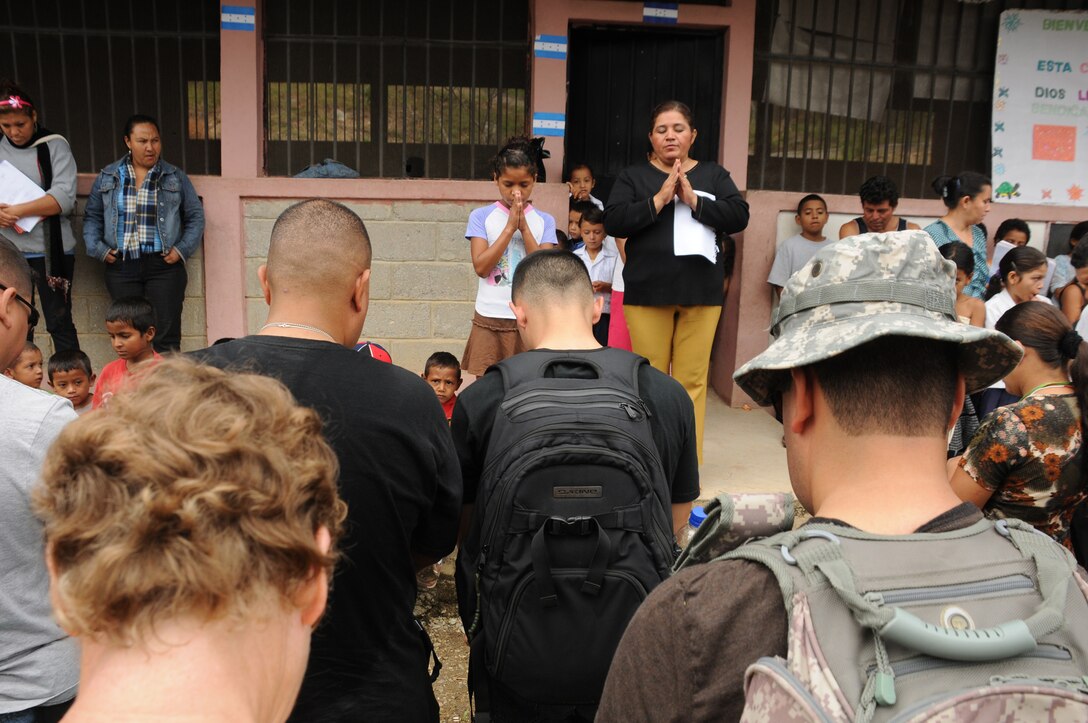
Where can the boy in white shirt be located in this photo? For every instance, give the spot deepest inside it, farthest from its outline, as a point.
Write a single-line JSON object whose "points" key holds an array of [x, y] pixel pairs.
{"points": [[600, 262]]}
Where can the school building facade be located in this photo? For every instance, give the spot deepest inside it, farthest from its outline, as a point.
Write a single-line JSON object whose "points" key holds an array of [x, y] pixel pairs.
{"points": [[792, 96]]}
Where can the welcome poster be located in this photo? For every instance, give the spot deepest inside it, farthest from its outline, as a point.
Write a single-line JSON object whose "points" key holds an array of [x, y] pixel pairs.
{"points": [[1040, 112]]}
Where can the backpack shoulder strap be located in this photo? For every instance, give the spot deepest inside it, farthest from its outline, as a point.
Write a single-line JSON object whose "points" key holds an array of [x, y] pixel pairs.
{"points": [[625, 366], [46, 139], [770, 552]]}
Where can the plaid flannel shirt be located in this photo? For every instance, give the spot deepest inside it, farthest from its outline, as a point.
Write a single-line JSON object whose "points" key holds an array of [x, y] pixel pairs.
{"points": [[137, 217]]}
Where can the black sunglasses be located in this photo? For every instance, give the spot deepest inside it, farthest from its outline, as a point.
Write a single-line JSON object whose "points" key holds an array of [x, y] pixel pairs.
{"points": [[34, 316]]}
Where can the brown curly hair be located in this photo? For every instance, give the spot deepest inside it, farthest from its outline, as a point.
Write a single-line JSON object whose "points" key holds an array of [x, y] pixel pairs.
{"points": [[196, 494]]}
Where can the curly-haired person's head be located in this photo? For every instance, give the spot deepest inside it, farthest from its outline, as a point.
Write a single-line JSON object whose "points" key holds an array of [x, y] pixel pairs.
{"points": [[196, 496]]}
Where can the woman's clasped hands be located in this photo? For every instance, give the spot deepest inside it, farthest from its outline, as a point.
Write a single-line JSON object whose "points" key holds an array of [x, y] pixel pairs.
{"points": [[677, 185]]}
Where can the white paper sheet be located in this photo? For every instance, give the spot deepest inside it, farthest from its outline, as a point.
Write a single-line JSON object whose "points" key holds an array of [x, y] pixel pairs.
{"points": [[15, 188], [1000, 249], [689, 237]]}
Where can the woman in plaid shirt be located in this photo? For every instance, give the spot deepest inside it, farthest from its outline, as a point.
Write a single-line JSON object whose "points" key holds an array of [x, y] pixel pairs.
{"points": [[144, 220]]}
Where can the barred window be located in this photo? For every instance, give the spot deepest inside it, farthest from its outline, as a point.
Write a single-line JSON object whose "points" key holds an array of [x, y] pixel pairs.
{"points": [[90, 64], [847, 89], [205, 112], [318, 112], [393, 88]]}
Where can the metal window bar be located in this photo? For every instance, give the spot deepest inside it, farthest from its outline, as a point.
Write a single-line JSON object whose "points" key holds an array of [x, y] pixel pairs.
{"points": [[830, 143], [952, 82], [85, 44], [409, 115]]}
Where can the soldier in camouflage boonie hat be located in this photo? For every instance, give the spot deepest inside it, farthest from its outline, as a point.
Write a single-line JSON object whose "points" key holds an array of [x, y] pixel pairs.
{"points": [[865, 287]]}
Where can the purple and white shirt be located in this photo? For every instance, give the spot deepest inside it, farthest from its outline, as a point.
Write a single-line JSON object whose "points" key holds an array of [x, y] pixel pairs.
{"points": [[493, 293]]}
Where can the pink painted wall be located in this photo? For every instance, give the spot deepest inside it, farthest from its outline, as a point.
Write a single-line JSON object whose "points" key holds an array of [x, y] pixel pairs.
{"points": [[224, 199], [241, 74]]}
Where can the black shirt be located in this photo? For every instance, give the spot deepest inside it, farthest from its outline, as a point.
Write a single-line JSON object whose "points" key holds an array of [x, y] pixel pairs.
{"points": [[672, 424], [654, 275], [400, 479]]}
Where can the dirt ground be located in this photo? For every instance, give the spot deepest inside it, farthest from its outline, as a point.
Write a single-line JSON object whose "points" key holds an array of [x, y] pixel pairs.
{"points": [[437, 609]]}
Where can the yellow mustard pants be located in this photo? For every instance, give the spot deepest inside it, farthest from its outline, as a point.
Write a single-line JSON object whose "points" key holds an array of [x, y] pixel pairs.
{"points": [[677, 340]]}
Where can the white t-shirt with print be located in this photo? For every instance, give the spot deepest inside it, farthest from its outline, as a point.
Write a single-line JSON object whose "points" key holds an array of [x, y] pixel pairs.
{"points": [[493, 292]]}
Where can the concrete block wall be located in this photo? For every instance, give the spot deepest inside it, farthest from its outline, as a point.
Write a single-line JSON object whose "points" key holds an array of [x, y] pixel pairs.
{"points": [[90, 300], [422, 286]]}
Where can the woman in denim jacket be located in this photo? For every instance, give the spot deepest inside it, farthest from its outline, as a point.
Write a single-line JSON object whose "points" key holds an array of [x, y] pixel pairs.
{"points": [[144, 220]]}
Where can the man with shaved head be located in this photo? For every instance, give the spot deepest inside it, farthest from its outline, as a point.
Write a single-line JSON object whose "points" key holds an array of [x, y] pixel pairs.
{"points": [[555, 309], [398, 471], [39, 663]]}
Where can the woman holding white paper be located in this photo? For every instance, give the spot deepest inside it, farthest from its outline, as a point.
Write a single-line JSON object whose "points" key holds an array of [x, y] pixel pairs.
{"points": [[674, 211], [49, 244]]}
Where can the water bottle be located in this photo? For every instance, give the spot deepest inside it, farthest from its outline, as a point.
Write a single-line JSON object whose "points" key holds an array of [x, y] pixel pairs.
{"points": [[698, 514]]}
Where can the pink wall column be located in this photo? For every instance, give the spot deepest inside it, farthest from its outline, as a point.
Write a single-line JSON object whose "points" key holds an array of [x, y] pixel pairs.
{"points": [[242, 81], [242, 77], [737, 94], [548, 85]]}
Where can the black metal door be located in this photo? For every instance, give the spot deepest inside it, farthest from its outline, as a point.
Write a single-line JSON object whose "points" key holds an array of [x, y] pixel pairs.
{"points": [[616, 75]]}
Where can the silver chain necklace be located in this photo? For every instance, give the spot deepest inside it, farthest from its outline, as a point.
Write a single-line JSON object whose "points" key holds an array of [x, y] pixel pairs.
{"points": [[292, 325]]}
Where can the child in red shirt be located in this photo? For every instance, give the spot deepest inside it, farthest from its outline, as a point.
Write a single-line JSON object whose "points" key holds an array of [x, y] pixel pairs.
{"points": [[130, 322], [443, 372]]}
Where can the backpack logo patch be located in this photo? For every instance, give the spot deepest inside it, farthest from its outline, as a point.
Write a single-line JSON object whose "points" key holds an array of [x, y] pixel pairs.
{"points": [[576, 492]]}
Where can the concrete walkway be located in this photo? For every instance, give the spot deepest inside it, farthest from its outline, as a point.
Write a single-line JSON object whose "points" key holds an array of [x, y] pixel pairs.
{"points": [[742, 451]]}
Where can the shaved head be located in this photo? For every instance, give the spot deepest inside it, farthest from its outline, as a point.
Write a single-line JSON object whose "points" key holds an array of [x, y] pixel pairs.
{"points": [[550, 278], [317, 246], [14, 270]]}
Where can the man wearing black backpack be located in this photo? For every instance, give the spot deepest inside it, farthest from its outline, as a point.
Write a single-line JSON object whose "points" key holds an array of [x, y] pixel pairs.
{"points": [[897, 600], [579, 465]]}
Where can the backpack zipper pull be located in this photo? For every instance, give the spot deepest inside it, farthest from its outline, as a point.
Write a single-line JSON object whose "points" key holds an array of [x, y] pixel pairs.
{"points": [[632, 412], [884, 692]]}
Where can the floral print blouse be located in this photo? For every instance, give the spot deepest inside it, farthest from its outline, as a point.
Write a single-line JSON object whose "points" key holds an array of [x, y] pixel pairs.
{"points": [[1028, 455]]}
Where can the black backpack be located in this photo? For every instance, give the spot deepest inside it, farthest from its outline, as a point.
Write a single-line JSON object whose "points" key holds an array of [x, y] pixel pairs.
{"points": [[572, 527]]}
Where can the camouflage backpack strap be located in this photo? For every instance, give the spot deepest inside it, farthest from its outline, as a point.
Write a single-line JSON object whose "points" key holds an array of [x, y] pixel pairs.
{"points": [[768, 552], [734, 519]]}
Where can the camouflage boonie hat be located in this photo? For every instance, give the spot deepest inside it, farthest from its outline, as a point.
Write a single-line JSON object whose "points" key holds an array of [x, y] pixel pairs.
{"points": [[862, 288]]}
